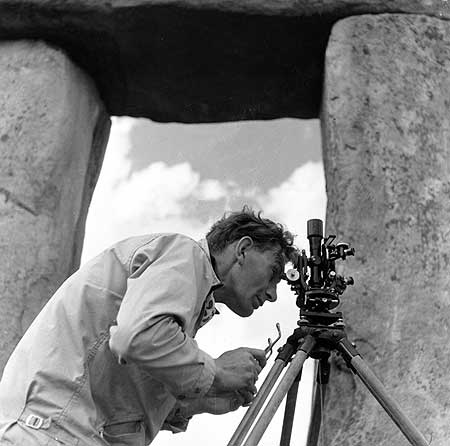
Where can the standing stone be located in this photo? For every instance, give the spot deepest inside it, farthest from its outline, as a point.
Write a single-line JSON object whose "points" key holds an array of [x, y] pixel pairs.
{"points": [[386, 121], [53, 133]]}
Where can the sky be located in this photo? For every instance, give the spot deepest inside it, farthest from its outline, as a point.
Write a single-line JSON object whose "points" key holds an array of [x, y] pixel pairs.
{"points": [[181, 178]]}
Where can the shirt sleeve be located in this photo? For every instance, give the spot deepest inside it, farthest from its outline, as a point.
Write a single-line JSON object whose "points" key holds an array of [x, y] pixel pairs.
{"points": [[163, 299]]}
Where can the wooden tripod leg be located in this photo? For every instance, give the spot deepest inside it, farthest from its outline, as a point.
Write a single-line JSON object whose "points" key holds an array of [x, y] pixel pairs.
{"points": [[320, 386], [252, 412], [281, 391], [359, 366], [289, 411]]}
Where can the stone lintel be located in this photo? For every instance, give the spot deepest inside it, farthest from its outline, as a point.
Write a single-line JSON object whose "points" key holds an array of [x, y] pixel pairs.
{"points": [[199, 60]]}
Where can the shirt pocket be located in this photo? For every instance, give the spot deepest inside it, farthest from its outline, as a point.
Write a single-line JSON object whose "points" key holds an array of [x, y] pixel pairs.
{"points": [[130, 433]]}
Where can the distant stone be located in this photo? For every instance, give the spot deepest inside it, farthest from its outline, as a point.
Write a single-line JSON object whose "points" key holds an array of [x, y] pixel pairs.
{"points": [[198, 60]]}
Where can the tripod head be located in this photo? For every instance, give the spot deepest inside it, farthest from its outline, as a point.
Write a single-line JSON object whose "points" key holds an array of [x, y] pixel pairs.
{"points": [[314, 279]]}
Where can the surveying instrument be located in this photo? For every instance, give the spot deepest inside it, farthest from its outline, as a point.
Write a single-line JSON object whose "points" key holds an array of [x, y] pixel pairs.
{"points": [[318, 288]]}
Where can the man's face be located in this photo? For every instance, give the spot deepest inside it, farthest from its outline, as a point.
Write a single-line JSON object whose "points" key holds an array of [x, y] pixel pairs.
{"points": [[253, 280]]}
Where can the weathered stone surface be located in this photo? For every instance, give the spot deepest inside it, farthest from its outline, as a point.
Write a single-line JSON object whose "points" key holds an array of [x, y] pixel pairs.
{"points": [[198, 60], [386, 126], [53, 132]]}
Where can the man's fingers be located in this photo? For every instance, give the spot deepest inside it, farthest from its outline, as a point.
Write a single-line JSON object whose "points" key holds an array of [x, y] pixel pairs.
{"points": [[241, 398], [235, 404], [252, 376], [259, 355], [246, 397], [238, 368]]}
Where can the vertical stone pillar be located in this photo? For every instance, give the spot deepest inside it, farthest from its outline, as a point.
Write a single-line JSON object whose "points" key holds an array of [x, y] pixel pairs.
{"points": [[385, 121], [53, 133]]}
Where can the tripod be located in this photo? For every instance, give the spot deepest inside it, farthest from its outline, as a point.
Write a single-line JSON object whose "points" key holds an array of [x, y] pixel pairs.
{"points": [[318, 334]]}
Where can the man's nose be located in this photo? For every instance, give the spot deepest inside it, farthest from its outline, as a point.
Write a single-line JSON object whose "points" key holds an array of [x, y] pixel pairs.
{"points": [[271, 294]]}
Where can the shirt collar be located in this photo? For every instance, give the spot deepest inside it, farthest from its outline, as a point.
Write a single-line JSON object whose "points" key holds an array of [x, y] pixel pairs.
{"points": [[216, 283]]}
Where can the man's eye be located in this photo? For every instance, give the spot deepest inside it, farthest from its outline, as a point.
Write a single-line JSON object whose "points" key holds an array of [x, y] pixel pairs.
{"points": [[276, 276]]}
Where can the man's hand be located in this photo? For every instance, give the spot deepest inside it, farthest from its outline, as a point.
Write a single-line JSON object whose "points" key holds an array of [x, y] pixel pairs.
{"points": [[238, 370], [233, 386]]}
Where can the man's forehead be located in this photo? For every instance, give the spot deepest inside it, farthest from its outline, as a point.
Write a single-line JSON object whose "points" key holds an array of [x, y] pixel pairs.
{"points": [[279, 259], [275, 254]]}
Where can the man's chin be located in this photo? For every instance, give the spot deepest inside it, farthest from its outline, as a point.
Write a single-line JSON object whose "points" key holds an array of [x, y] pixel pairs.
{"points": [[244, 312], [248, 312]]}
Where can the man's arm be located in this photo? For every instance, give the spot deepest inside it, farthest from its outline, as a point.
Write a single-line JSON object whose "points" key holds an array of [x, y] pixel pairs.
{"points": [[160, 306], [162, 301]]}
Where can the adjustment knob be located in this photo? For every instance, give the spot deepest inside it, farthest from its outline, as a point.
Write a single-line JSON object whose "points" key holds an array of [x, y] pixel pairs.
{"points": [[349, 281], [292, 275]]}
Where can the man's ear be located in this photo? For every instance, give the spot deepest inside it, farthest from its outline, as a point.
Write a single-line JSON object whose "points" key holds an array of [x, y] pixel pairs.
{"points": [[242, 247]]}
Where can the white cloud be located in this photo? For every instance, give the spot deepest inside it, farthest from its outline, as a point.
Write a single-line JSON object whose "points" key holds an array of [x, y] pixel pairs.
{"points": [[211, 190], [127, 203], [156, 199], [156, 192], [300, 198]]}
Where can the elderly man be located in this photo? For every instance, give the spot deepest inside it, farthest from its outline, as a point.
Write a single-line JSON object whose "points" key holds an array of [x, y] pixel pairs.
{"points": [[112, 360]]}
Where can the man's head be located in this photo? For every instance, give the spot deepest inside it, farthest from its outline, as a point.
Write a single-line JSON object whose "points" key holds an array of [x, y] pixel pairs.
{"points": [[250, 253]]}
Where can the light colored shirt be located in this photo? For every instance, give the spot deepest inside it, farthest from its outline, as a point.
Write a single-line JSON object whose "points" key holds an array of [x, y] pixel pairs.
{"points": [[115, 344]]}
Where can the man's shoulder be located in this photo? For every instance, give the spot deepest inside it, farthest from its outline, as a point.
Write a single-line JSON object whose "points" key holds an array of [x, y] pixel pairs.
{"points": [[158, 237], [158, 242]]}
